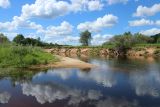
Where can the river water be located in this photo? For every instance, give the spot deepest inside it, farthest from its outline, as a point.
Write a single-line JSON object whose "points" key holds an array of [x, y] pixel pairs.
{"points": [[115, 82]]}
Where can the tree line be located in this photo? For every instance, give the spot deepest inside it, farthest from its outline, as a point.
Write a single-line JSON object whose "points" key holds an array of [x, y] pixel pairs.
{"points": [[21, 40], [120, 42]]}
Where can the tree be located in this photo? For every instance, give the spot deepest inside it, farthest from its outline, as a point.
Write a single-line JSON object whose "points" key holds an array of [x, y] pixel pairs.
{"points": [[19, 39], [140, 38], [121, 43], [85, 38], [3, 38], [156, 38]]}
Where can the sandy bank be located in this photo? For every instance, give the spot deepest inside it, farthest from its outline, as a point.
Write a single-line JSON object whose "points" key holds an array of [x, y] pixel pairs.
{"points": [[66, 62]]}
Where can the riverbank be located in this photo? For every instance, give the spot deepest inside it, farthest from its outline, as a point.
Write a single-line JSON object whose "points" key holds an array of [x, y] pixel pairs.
{"points": [[99, 51], [17, 56], [65, 62], [12, 56]]}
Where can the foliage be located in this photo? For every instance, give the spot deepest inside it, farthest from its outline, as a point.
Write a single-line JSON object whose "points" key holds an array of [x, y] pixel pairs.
{"points": [[156, 38], [85, 38], [23, 56], [123, 42], [3, 38], [19, 39], [141, 39]]}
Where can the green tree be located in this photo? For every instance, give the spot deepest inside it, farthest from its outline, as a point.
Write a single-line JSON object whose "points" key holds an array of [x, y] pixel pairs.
{"points": [[158, 40], [125, 40], [140, 38], [19, 39], [85, 38], [3, 38], [122, 42]]}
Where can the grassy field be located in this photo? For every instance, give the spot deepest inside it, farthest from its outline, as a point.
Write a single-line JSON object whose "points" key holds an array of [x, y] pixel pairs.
{"points": [[23, 56]]}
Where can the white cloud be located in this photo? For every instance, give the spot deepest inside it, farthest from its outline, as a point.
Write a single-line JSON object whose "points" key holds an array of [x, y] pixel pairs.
{"points": [[108, 20], [59, 34], [144, 22], [99, 39], [63, 32], [19, 22], [45, 8], [63, 40], [149, 32], [10, 35], [50, 9], [64, 29], [141, 22], [147, 11], [110, 2], [4, 3], [7, 26], [95, 5], [54, 8], [4, 97]]}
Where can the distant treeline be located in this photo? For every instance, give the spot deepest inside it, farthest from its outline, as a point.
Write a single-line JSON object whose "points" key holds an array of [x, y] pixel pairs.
{"points": [[21, 40], [122, 41]]}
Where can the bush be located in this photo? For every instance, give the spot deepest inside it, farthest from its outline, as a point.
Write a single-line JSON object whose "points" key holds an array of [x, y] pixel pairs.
{"points": [[23, 56]]}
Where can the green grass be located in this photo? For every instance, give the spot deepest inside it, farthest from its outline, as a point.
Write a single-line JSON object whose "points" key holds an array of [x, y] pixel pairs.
{"points": [[105, 46], [148, 45], [23, 56]]}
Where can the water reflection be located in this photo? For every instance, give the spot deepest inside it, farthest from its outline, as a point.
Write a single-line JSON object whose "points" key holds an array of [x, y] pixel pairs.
{"points": [[4, 97], [52, 92], [113, 102], [146, 83], [113, 83], [106, 79]]}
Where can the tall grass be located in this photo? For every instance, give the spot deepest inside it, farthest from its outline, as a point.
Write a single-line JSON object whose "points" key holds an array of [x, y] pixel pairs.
{"points": [[23, 56]]}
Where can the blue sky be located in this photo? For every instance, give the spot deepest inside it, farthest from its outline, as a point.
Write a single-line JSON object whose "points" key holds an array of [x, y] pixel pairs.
{"points": [[61, 21]]}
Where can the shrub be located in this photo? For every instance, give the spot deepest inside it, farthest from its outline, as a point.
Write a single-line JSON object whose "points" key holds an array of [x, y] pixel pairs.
{"points": [[23, 56]]}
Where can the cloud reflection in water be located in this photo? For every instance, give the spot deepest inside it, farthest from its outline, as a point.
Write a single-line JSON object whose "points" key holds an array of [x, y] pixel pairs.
{"points": [[4, 97]]}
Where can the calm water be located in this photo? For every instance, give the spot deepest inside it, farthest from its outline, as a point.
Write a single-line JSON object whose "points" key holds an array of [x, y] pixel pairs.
{"points": [[113, 83]]}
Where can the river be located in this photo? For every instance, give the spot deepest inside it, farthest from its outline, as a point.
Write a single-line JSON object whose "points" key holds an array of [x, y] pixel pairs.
{"points": [[114, 82]]}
